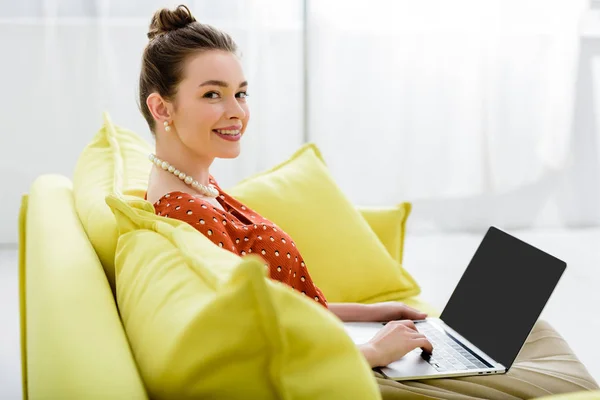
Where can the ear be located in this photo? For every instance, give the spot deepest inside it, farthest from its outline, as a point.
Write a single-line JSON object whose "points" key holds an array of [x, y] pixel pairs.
{"points": [[160, 108]]}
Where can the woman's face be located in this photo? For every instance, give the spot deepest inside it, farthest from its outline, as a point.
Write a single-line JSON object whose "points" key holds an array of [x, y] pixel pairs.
{"points": [[210, 113]]}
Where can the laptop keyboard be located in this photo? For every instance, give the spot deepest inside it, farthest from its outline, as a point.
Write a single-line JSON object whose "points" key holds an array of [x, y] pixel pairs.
{"points": [[447, 354]]}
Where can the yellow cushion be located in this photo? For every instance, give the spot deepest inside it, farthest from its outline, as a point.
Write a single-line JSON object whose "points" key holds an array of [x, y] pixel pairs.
{"points": [[343, 254], [115, 161], [389, 224], [204, 323]]}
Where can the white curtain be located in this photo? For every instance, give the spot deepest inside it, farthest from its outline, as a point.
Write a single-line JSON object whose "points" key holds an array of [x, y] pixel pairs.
{"points": [[480, 112], [438, 98], [464, 107]]}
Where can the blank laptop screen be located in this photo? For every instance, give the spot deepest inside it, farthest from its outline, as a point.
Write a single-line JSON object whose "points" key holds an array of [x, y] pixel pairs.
{"points": [[501, 294]]}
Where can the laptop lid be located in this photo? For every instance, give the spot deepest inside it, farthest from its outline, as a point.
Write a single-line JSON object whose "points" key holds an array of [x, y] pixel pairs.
{"points": [[502, 294]]}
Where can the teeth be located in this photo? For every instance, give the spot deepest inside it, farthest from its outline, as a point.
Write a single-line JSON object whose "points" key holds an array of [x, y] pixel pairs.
{"points": [[228, 132]]}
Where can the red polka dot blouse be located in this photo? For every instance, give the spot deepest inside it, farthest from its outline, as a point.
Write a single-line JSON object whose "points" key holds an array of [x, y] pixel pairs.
{"points": [[243, 231]]}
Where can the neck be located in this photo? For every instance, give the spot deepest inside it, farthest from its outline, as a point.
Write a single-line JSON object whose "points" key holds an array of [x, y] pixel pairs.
{"points": [[182, 158]]}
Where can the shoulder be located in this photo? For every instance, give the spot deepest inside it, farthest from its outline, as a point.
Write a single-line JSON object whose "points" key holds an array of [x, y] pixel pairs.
{"points": [[175, 197], [181, 203]]}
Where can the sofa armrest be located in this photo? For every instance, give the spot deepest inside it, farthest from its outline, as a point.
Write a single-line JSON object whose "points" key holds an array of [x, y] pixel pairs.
{"points": [[74, 343]]}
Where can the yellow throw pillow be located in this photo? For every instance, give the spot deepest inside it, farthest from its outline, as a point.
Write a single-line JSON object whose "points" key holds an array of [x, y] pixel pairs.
{"points": [[204, 323], [343, 254], [115, 161], [389, 224]]}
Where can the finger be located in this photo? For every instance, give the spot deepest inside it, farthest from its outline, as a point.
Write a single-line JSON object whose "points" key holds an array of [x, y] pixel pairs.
{"points": [[405, 323], [395, 322], [424, 344], [412, 313], [417, 335], [408, 324]]}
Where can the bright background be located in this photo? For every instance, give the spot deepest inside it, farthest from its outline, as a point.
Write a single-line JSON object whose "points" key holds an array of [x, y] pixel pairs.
{"points": [[479, 112]]}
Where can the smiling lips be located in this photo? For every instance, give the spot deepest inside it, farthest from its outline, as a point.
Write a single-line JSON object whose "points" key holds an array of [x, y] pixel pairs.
{"points": [[231, 133]]}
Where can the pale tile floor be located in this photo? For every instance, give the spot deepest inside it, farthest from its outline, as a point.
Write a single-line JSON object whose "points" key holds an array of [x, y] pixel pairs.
{"points": [[436, 261]]}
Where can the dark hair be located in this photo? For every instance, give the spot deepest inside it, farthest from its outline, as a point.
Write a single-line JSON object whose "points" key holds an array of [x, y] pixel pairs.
{"points": [[174, 36]]}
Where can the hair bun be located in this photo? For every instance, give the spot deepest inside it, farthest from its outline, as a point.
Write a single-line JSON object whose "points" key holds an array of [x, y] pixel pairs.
{"points": [[166, 20]]}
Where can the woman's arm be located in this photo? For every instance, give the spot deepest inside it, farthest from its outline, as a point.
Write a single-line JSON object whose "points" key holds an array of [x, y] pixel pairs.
{"points": [[377, 312], [350, 312], [370, 354]]}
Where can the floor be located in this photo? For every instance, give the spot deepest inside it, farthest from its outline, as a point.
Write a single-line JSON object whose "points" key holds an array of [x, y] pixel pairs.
{"points": [[10, 353], [436, 261]]}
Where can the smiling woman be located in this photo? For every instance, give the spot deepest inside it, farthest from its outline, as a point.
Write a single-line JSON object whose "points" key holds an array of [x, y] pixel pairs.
{"points": [[193, 85], [193, 96]]}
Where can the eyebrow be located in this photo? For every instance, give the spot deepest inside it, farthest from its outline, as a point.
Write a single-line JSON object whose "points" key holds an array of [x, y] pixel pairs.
{"points": [[224, 84]]}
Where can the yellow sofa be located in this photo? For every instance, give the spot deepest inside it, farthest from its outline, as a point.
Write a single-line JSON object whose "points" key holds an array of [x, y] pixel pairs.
{"points": [[73, 343]]}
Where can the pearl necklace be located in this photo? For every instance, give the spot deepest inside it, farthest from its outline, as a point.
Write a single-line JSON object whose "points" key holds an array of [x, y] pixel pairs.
{"points": [[208, 191]]}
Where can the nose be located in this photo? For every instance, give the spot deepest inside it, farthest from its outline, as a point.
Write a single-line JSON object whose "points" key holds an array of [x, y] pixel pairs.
{"points": [[235, 110]]}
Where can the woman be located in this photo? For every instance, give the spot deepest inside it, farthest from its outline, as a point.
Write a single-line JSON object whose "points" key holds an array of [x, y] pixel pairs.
{"points": [[193, 95]]}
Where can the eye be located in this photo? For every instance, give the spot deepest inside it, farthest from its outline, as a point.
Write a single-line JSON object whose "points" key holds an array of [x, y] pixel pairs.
{"points": [[241, 95], [211, 95]]}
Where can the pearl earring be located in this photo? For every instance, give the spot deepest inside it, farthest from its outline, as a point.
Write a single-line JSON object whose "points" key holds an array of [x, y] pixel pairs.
{"points": [[167, 127]]}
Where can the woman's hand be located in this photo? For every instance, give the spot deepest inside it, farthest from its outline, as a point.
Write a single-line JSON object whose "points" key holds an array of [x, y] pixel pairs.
{"points": [[392, 310], [392, 342]]}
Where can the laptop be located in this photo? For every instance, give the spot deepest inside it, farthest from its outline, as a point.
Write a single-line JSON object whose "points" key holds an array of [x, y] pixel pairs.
{"points": [[488, 316]]}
